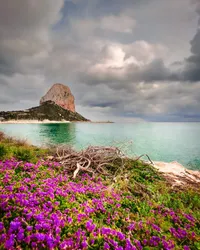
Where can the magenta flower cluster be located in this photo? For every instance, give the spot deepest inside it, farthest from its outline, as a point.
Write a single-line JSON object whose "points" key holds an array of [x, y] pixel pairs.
{"points": [[42, 208]]}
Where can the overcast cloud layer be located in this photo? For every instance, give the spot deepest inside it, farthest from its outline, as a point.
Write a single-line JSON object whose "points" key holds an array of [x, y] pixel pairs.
{"points": [[130, 60]]}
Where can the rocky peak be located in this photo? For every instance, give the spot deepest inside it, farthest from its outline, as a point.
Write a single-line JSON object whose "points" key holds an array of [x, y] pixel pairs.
{"points": [[61, 95]]}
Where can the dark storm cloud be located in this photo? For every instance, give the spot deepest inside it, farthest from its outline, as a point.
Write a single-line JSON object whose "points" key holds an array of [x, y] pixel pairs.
{"points": [[5, 66], [191, 71], [105, 7], [102, 104], [123, 77], [154, 71], [5, 100], [113, 54], [24, 32], [115, 6]]}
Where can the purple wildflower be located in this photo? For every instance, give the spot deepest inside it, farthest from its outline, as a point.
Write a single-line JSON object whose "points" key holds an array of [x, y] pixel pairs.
{"points": [[14, 225], [20, 236], [131, 226], [50, 241], [145, 241], [29, 228], [70, 220], [106, 246], [90, 226], [120, 236], [119, 248], [155, 227], [84, 244], [1, 226], [189, 217], [10, 242], [2, 238], [40, 236], [138, 244]]}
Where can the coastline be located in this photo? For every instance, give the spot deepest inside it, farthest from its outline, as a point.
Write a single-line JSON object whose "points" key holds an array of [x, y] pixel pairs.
{"points": [[110, 195], [176, 173], [32, 122]]}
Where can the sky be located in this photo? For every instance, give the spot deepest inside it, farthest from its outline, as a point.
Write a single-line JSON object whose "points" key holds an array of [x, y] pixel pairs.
{"points": [[124, 60]]}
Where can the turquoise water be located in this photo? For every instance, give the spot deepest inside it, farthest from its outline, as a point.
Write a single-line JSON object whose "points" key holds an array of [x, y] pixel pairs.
{"points": [[161, 141]]}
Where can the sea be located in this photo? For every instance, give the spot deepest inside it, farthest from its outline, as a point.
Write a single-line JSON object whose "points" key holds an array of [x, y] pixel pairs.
{"points": [[160, 141]]}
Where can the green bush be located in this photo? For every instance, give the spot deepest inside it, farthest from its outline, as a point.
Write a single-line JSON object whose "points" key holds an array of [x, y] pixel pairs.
{"points": [[3, 152], [24, 154], [19, 149]]}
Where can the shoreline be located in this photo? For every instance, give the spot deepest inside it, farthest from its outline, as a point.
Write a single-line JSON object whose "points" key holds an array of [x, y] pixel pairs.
{"points": [[116, 200], [176, 173], [32, 122]]}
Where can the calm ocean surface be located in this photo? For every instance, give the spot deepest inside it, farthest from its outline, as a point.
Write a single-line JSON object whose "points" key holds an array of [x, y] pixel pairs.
{"points": [[161, 141]]}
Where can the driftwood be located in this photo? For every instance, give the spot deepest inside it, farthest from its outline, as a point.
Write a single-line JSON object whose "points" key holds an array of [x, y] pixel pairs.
{"points": [[111, 163], [139, 157], [93, 160]]}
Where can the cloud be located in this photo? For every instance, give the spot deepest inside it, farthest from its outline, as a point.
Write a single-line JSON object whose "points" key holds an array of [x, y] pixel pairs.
{"points": [[25, 33], [108, 26], [142, 61], [117, 64], [20, 91], [111, 23], [191, 70], [164, 101], [122, 60]]}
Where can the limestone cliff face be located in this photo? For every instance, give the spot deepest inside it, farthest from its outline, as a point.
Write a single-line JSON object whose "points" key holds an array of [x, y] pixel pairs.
{"points": [[61, 95]]}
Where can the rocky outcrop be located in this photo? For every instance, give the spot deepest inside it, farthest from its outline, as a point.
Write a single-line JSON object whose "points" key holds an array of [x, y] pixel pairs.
{"points": [[46, 111], [56, 105], [61, 95], [177, 175]]}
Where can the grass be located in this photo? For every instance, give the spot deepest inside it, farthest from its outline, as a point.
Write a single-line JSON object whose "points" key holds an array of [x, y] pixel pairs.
{"points": [[19, 149], [41, 207]]}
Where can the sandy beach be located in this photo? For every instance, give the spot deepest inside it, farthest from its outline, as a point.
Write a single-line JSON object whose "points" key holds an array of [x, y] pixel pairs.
{"points": [[31, 122]]}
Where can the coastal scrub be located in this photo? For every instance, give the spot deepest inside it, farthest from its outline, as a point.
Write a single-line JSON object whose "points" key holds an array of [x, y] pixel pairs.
{"points": [[19, 149], [41, 207]]}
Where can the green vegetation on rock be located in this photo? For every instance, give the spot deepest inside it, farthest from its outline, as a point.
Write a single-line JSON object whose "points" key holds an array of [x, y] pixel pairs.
{"points": [[46, 111]]}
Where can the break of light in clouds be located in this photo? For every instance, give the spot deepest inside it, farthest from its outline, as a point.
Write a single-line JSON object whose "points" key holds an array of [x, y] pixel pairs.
{"points": [[129, 60]]}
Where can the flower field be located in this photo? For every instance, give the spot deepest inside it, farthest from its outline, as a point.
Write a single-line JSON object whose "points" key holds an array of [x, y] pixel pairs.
{"points": [[42, 208]]}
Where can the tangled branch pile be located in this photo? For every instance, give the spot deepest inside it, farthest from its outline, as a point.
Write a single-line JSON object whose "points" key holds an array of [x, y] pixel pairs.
{"points": [[107, 161], [94, 160]]}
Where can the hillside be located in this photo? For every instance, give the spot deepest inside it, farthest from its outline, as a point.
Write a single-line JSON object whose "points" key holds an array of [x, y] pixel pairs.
{"points": [[96, 198], [46, 111]]}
